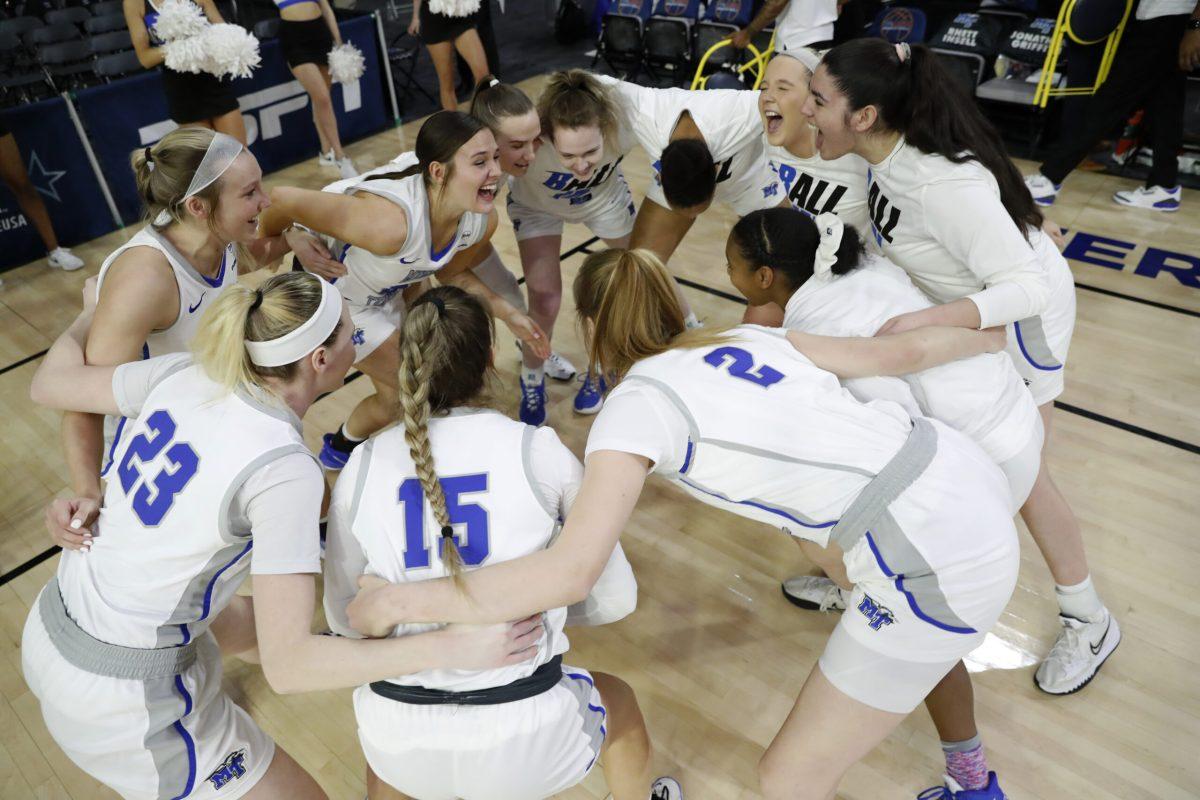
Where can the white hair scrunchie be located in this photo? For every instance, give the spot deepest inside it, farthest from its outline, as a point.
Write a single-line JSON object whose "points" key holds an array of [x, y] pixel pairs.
{"points": [[830, 228]]}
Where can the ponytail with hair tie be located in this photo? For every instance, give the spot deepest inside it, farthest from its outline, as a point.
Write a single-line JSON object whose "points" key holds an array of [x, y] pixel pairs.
{"points": [[903, 52], [831, 228]]}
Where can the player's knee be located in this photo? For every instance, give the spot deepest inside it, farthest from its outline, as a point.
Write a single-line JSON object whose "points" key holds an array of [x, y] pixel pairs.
{"points": [[791, 778], [545, 301]]}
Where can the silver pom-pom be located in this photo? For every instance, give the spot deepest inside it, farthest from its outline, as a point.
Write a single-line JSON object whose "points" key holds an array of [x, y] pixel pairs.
{"points": [[346, 63], [179, 19], [232, 51], [454, 8]]}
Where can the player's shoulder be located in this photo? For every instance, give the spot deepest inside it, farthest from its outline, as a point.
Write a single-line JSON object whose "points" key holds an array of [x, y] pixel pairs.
{"points": [[141, 267]]}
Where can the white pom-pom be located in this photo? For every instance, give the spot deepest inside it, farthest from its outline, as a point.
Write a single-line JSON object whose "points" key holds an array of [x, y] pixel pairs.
{"points": [[454, 8], [186, 55], [346, 63], [179, 19], [232, 51]]}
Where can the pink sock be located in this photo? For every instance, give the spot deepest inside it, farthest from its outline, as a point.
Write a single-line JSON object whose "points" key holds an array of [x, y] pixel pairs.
{"points": [[966, 763]]}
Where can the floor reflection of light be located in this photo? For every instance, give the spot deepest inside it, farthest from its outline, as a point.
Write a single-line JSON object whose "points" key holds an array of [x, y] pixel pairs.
{"points": [[1004, 648]]}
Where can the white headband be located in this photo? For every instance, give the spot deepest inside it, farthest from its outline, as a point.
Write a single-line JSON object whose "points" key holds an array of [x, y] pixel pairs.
{"points": [[807, 56], [293, 346], [221, 152], [830, 228]]}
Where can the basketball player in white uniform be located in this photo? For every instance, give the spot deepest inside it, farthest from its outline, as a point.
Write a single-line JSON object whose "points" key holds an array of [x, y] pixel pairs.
{"points": [[203, 194], [863, 484], [563, 159], [498, 488], [123, 647], [680, 129], [949, 207], [393, 229]]}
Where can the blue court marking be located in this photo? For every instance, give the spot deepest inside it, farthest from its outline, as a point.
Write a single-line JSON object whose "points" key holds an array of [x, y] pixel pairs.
{"points": [[1024, 352], [187, 739], [898, 580]]}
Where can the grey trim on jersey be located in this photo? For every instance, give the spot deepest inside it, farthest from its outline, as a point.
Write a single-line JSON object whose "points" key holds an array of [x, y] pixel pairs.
{"points": [[182, 262], [259, 461], [272, 409], [754, 451], [590, 725], [1033, 341], [546, 503], [168, 749], [191, 602], [676, 400], [366, 450], [918, 391], [899, 559], [89, 654]]}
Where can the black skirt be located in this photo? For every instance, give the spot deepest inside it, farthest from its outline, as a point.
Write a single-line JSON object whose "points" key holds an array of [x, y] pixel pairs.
{"points": [[307, 42], [436, 28], [197, 97]]}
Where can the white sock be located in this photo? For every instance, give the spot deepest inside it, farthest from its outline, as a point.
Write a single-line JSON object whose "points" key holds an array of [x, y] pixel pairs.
{"points": [[1080, 601], [350, 438], [690, 321], [532, 376]]}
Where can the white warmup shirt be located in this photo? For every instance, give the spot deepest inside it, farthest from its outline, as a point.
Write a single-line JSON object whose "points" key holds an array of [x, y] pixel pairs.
{"points": [[549, 186], [1152, 9], [507, 486], [729, 122], [374, 281], [206, 486], [804, 22], [943, 223], [982, 396], [816, 186]]}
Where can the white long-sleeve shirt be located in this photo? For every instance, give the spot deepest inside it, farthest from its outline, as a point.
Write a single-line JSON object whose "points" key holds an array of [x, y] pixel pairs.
{"points": [[944, 224]]}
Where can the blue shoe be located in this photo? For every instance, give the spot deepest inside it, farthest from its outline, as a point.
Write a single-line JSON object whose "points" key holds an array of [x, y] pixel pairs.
{"points": [[952, 791], [1154, 198], [533, 403], [330, 457], [590, 397], [1042, 189]]}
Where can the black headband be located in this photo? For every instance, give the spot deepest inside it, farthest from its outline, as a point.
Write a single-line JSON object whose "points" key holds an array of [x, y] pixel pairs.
{"points": [[440, 305], [258, 298], [149, 155]]}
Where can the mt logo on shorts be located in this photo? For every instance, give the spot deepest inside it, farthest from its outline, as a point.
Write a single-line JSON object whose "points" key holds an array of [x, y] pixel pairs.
{"points": [[877, 615], [232, 768]]}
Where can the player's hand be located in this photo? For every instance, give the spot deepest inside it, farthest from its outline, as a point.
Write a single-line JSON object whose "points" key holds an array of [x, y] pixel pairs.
{"points": [[1189, 51], [491, 646], [70, 521], [997, 338], [369, 612], [1056, 234], [529, 333], [414, 26], [313, 255], [740, 38]]}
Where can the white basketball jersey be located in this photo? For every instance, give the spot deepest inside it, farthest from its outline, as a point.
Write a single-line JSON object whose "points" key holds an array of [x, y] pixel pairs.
{"points": [[551, 187], [168, 556], [982, 396], [196, 292], [375, 280], [482, 460], [727, 118], [772, 437], [816, 186]]}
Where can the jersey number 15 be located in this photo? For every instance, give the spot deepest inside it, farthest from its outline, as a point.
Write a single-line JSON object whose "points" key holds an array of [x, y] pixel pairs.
{"points": [[472, 516]]}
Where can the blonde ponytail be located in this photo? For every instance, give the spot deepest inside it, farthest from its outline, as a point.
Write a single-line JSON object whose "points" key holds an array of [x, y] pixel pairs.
{"points": [[629, 297], [279, 306], [445, 361], [164, 171]]}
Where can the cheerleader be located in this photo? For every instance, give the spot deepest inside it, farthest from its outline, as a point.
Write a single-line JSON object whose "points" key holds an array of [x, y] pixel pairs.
{"points": [[495, 489], [394, 228], [447, 27], [123, 647], [948, 207], [563, 158]]}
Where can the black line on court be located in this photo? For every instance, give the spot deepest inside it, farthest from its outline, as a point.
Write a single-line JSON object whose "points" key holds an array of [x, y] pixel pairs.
{"points": [[17, 572], [23, 361], [1129, 427], [1142, 300]]}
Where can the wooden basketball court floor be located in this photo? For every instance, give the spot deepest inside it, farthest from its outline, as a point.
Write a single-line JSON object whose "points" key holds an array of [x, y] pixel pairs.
{"points": [[715, 653]]}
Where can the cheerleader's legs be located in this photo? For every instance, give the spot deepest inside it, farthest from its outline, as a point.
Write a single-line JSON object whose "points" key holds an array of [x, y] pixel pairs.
{"points": [[315, 80], [470, 48], [230, 123]]}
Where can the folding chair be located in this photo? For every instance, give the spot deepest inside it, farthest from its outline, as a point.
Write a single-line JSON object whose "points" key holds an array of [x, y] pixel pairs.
{"points": [[1086, 22], [403, 58], [899, 24], [721, 18], [967, 45], [117, 65], [620, 40], [105, 24], [667, 37]]}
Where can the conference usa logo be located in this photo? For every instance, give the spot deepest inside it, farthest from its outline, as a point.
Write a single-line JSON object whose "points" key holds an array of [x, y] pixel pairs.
{"points": [[263, 111], [728, 10]]}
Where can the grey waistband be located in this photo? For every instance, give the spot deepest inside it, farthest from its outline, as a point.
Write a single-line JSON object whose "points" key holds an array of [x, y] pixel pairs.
{"points": [[101, 658], [897, 475]]}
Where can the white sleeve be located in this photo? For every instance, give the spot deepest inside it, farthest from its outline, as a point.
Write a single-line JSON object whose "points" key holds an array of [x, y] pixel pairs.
{"points": [[133, 382], [281, 503], [637, 419], [968, 219], [345, 560], [613, 597], [555, 472]]}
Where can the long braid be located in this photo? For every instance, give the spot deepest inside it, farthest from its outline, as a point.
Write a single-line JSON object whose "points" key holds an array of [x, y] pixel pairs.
{"points": [[419, 352]]}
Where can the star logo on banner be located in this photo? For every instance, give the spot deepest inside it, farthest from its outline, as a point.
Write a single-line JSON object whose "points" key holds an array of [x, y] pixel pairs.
{"points": [[44, 179]]}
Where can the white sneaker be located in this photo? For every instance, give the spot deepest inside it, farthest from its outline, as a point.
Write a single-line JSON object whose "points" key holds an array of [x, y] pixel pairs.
{"points": [[559, 368], [64, 259], [1081, 649], [666, 788], [347, 168], [327, 160], [1155, 198], [816, 593], [1042, 189]]}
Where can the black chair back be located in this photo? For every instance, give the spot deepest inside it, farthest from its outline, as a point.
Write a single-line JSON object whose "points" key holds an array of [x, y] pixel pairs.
{"points": [[267, 28], [113, 42], [51, 34], [116, 65], [105, 24], [75, 15]]}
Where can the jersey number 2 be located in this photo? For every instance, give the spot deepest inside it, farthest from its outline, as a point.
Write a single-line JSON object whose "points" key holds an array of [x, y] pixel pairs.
{"points": [[154, 497], [471, 515], [740, 364]]}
